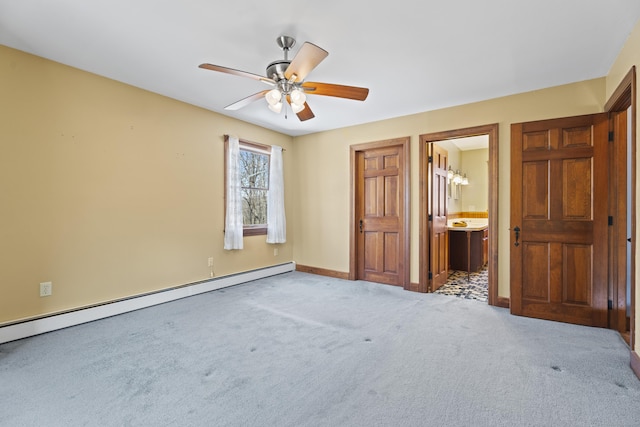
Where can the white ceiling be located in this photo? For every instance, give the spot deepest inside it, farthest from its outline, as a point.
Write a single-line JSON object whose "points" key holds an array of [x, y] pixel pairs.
{"points": [[471, 142], [414, 56]]}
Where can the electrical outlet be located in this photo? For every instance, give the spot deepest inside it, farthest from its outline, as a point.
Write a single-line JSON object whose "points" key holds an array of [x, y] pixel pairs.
{"points": [[210, 263], [275, 251], [46, 288]]}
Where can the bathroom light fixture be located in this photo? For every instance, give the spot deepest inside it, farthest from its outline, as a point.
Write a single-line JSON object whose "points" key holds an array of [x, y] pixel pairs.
{"points": [[450, 173], [457, 178]]}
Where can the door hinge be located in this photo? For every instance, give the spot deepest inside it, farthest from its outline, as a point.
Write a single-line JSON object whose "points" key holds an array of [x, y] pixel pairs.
{"points": [[610, 220], [610, 304], [430, 159], [611, 136], [430, 217], [430, 275]]}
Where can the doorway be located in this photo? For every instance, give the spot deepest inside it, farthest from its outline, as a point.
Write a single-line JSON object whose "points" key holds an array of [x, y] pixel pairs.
{"points": [[466, 196], [426, 225]]}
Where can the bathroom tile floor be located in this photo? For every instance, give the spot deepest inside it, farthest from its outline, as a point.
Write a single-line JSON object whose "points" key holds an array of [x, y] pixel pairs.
{"points": [[457, 285]]}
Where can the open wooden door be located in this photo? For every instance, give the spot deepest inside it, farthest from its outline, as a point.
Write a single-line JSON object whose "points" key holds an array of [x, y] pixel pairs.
{"points": [[438, 232], [618, 243], [559, 219]]}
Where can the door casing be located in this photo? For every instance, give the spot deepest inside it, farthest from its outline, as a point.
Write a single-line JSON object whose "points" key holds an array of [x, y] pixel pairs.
{"points": [[623, 97], [491, 130]]}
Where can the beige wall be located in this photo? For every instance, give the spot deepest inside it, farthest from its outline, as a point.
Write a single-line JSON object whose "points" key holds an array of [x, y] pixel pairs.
{"points": [[475, 196], [474, 164], [629, 57], [110, 191], [322, 201]]}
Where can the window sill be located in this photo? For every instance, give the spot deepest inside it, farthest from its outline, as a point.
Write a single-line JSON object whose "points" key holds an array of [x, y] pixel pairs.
{"points": [[254, 230]]}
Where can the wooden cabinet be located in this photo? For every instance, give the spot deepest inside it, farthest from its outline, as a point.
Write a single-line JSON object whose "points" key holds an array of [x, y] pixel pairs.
{"points": [[468, 250], [485, 246]]}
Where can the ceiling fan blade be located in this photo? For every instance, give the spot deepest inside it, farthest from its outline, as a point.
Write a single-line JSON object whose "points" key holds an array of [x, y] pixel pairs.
{"points": [[228, 70], [307, 58], [339, 91], [246, 101], [305, 114]]}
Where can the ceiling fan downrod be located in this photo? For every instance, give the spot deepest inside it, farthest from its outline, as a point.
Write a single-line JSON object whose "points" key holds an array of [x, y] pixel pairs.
{"points": [[286, 43]]}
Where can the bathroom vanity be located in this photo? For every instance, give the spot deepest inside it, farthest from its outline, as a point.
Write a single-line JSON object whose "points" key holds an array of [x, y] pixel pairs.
{"points": [[468, 246]]}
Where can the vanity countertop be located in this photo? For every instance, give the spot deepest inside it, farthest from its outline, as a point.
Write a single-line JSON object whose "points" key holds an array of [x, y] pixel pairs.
{"points": [[473, 224]]}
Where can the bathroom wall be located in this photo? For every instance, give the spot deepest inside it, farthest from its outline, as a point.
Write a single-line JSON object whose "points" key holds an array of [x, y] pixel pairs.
{"points": [[475, 196]]}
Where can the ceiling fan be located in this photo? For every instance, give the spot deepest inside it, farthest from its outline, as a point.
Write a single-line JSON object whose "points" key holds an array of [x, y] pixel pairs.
{"points": [[287, 78]]}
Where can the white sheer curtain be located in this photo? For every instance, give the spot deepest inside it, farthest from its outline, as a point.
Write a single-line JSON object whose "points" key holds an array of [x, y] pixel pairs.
{"points": [[233, 225], [276, 220]]}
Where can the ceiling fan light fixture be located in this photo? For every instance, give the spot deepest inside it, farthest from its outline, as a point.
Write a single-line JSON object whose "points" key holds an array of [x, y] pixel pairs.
{"points": [[298, 97], [274, 97], [296, 108], [276, 108]]}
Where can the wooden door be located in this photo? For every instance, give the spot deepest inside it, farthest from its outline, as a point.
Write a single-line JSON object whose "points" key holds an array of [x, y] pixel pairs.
{"points": [[618, 233], [438, 232], [559, 219], [380, 212]]}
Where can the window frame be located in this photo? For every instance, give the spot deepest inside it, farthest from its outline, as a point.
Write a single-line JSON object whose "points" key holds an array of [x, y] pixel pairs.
{"points": [[255, 147]]}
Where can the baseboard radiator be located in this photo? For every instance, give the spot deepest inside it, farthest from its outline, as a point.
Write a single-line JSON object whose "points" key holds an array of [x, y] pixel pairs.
{"points": [[54, 322]]}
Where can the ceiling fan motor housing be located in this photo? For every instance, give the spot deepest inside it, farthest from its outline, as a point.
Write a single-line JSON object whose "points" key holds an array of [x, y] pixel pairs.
{"points": [[276, 69]]}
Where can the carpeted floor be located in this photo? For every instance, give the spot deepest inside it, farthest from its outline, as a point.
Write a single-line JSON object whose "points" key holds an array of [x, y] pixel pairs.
{"points": [[304, 350], [475, 286]]}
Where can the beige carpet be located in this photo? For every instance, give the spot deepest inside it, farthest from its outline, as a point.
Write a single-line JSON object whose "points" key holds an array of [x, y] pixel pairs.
{"points": [[305, 350]]}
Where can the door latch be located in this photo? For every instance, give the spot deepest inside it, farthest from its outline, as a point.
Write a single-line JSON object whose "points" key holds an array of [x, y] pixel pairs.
{"points": [[516, 229], [360, 226]]}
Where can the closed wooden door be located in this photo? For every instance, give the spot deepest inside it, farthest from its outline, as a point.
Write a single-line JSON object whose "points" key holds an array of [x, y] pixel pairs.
{"points": [[559, 219], [380, 212], [438, 232]]}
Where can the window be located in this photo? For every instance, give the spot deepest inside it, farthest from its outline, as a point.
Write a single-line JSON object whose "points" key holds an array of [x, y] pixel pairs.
{"points": [[254, 178]]}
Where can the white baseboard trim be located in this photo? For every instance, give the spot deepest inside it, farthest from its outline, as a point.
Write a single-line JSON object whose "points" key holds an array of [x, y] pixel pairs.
{"points": [[59, 321]]}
